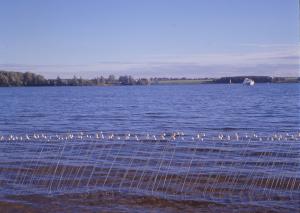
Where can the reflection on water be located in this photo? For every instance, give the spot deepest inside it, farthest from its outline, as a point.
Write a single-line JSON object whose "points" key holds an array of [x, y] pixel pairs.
{"points": [[224, 169]]}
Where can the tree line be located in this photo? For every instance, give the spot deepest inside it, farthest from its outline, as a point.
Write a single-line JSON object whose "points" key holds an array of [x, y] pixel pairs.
{"points": [[257, 79], [8, 79]]}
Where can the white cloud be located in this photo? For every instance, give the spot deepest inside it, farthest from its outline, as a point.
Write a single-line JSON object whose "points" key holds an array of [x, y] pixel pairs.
{"points": [[280, 60]]}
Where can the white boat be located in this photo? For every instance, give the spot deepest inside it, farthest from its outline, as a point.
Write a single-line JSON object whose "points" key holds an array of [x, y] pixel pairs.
{"points": [[248, 82]]}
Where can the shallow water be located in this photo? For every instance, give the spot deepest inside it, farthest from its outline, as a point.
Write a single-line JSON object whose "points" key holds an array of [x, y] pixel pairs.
{"points": [[239, 150]]}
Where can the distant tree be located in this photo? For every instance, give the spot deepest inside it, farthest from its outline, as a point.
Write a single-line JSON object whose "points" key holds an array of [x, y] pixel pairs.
{"points": [[80, 81], [97, 81], [4, 80], [21, 79], [39, 80], [28, 79], [111, 79], [123, 80], [142, 81], [127, 80], [74, 81], [102, 80], [131, 80], [59, 82]]}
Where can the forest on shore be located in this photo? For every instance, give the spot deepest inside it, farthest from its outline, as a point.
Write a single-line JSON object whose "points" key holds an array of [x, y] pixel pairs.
{"points": [[31, 79], [11, 79]]}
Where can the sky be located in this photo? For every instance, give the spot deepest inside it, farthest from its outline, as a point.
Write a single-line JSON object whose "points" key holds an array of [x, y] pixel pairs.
{"points": [[147, 38]]}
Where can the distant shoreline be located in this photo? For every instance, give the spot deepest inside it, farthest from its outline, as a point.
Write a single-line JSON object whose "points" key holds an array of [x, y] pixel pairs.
{"points": [[20, 79]]}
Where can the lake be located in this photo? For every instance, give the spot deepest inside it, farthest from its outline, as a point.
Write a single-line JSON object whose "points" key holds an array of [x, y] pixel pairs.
{"points": [[207, 147]]}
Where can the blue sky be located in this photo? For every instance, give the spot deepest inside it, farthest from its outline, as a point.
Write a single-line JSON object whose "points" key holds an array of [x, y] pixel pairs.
{"points": [[193, 38]]}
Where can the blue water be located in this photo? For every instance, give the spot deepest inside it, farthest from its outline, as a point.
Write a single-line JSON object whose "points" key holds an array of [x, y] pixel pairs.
{"points": [[189, 108], [53, 157]]}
